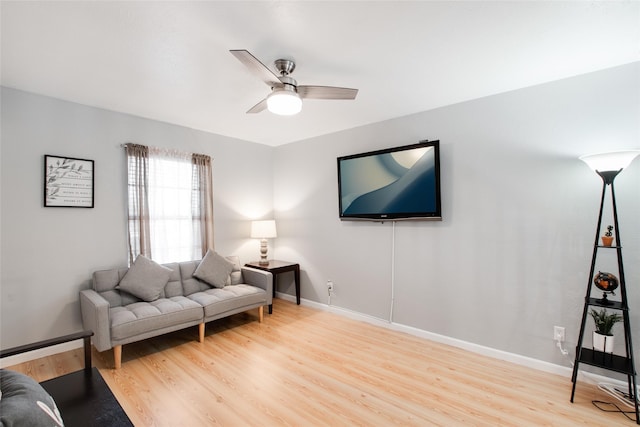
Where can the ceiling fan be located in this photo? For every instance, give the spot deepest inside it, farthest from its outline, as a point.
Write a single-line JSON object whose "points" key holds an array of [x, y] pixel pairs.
{"points": [[286, 95]]}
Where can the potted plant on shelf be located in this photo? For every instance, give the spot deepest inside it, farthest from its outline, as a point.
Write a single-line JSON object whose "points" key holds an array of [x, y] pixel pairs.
{"points": [[602, 336], [607, 239]]}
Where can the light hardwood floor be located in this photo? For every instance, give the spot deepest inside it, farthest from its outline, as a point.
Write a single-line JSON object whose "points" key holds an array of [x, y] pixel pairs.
{"points": [[305, 367]]}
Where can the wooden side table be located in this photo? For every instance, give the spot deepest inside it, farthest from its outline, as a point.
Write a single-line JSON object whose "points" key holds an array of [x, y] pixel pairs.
{"points": [[276, 267]]}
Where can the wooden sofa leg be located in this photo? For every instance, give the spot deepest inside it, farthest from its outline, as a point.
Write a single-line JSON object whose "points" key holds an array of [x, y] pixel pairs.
{"points": [[260, 313], [201, 332], [117, 356]]}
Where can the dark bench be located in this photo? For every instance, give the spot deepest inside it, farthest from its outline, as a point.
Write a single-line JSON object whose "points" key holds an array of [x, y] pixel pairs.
{"points": [[82, 397]]}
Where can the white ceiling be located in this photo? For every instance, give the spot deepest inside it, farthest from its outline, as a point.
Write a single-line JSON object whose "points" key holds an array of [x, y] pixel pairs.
{"points": [[170, 61]]}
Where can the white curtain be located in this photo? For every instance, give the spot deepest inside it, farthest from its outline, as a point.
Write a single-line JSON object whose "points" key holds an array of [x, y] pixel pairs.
{"points": [[180, 208]]}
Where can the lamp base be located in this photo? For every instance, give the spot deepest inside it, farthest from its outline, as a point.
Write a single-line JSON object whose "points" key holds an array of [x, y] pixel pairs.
{"points": [[263, 252]]}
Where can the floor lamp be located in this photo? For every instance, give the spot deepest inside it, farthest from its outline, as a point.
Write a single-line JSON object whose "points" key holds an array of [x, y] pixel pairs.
{"points": [[608, 166]]}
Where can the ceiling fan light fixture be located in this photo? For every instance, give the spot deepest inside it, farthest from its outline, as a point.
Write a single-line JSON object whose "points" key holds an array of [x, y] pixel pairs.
{"points": [[284, 101], [286, 96]]}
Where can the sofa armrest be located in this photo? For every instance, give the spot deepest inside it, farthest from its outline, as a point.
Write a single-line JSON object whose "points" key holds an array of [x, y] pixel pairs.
{"points": [[95, 317], [259, 278]]}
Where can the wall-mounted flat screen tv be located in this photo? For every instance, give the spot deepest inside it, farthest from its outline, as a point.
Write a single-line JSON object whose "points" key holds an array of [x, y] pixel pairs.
{"points": [[393, 184]]}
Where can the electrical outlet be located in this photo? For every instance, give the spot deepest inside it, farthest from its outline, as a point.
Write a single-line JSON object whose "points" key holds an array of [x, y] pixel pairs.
{"points": [[329, 285], [558, 333]]}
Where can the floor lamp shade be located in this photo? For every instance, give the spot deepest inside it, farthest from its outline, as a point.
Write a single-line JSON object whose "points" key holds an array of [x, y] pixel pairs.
{"points": [[263, 230], [609, 165], [613, 161]]}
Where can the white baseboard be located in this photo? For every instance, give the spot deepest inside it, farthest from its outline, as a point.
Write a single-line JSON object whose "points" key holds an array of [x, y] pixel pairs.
{"points": [[518, 359], [43, 352], [474, 348]]}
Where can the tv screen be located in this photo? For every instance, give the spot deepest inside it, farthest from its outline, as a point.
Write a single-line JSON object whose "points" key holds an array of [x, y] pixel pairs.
{"points": [[392, 184]]}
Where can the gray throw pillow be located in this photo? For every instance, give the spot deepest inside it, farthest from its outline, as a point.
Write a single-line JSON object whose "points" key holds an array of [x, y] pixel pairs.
{"points": [[214, 269], [25, 403], [145, 279]]}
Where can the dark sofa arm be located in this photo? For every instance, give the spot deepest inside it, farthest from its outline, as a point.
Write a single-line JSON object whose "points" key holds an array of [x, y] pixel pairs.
{"points": [[84, 335]]}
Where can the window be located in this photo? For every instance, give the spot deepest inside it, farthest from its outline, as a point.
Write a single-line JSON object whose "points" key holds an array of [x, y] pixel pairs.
{"points": [[170, 204]]}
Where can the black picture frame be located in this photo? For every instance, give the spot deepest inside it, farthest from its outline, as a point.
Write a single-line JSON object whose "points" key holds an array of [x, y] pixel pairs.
{"points": [[68, 182]]}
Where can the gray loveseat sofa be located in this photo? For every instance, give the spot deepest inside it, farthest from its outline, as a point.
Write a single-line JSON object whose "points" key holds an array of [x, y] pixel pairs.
{"points": [[117, 317]]}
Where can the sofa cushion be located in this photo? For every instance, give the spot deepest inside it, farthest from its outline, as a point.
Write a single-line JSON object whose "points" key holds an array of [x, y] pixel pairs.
{"points": [[141, 317], [189, 283], [25, 403], [235, 278], [107, 280], [214, 269], [173, 288], [145, 279], [219, 301]]}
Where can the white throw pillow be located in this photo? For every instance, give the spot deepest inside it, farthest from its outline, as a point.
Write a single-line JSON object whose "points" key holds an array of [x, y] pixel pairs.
{"points": [[214, 269], [145, 279]]}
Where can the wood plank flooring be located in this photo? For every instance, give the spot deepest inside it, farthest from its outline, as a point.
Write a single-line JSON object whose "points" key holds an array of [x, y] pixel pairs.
{"points": [[305, 367]]}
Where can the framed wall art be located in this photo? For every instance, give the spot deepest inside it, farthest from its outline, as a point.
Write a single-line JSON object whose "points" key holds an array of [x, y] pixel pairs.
{"points": [[68, 182]]}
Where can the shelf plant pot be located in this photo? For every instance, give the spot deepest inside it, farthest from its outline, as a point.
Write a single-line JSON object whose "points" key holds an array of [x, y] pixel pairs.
{"points": [[603, 343], [607, 240]]}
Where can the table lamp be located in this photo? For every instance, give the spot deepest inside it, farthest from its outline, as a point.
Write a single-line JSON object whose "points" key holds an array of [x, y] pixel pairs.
{"points": [[263, 230]]}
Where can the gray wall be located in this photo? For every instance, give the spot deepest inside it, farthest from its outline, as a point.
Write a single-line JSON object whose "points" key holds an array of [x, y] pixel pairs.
{"points": [[48, 254], [511, 257], [509, 260]]}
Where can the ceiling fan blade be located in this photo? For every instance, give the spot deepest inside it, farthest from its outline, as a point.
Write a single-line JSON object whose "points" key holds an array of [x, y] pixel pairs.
{"points": [[256, 67], [326, 92], [260, 106]]}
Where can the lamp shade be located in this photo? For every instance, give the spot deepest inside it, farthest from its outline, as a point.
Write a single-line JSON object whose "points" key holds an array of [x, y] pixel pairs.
{"points": [[609, 162], [263, 229], [284, 102]]}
